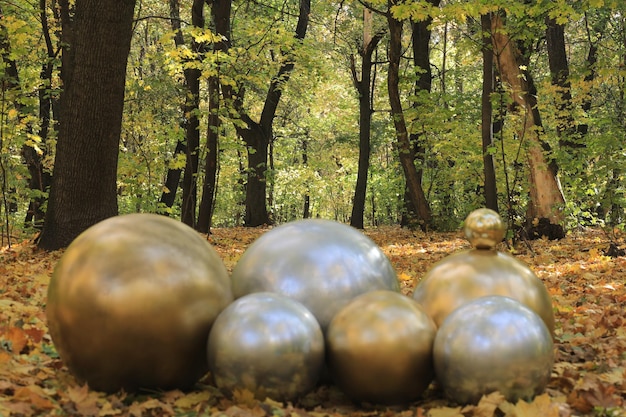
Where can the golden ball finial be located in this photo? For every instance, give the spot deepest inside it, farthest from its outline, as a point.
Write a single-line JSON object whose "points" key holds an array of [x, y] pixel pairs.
{"points": [[484, 228]]}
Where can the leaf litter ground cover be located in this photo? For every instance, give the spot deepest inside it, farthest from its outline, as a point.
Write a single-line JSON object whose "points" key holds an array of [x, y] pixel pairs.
{"points": [[588, 378]]}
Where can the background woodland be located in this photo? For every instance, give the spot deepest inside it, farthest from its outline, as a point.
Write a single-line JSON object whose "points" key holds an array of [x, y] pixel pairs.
{"points": [[295, 113]]}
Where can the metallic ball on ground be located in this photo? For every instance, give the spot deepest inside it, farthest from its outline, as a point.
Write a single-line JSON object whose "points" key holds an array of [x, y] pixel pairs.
{"points": [[131, 303], [484, 228], [379, 348], [321, 263], [467, 275], [268, 344], [491, 344]]}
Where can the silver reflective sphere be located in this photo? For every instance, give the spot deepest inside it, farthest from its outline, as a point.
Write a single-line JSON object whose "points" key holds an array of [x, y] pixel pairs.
{"points": [[268, 344], [131, 303], [321, 263], [484, 228], [491, 344], [379, 348], [465, 276]]}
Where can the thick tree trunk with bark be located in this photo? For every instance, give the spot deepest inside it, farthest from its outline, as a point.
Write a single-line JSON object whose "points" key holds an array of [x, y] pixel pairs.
{"points": [[546, 197], [364, 87], [490, 192], [403, 144], [84, 183]]}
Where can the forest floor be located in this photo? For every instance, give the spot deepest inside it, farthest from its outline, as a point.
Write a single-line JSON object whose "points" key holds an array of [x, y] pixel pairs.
{"points": [[588, 377]]}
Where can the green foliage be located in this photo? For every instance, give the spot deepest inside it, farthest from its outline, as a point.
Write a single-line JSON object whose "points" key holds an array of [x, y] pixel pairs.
{"points": [[319, 108], [20, 48]]}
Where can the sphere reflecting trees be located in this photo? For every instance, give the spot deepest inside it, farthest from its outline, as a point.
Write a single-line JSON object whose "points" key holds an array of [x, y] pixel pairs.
{"points": [[266, 343], [131, 303]]}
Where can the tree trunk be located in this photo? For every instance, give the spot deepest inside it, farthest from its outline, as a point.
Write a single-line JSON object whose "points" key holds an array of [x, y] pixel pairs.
{"points": [[490, 191], [403, 143], [546, 197], [205, 211], [559, 71], [257, 136], [365, 88], [306, 209], [257, 141], [84, 183], [590, 65], [172, 178], [192, 125], [420, 41]]}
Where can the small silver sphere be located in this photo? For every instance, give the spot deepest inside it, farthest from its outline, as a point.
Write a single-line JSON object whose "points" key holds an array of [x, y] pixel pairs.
{"points": [[268, 344], [321, 263], [131, 303], [491, 344], [484, 228], [467, 275], [379, 348]]}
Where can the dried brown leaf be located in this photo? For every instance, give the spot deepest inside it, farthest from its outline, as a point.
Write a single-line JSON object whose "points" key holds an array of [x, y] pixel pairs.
{"points": [[540, 406]]}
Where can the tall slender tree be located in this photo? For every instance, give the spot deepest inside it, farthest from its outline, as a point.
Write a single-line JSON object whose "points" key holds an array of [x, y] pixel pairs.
{"points": [[192, 123], [403, 143], [364, 86], [258, 134], [172, 179], [97, 38], [420, 44], [489, 172]]}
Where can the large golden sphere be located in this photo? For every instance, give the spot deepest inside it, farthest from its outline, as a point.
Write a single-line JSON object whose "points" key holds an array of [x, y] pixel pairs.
{"points": [[131, 303], [467, 275], [321, 263], [493, 343], [484, 228], [268, 344], [379, 348]]}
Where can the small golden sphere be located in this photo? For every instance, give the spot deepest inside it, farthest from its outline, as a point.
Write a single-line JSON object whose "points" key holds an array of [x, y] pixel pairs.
{"points": [[484, 228], [379, 348]]}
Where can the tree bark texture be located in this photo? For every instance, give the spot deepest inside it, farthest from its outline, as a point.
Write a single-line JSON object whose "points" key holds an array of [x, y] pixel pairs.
{"points": [[403, 143], [490, 192], [546, 197], [84, 183], [364, 87]]}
